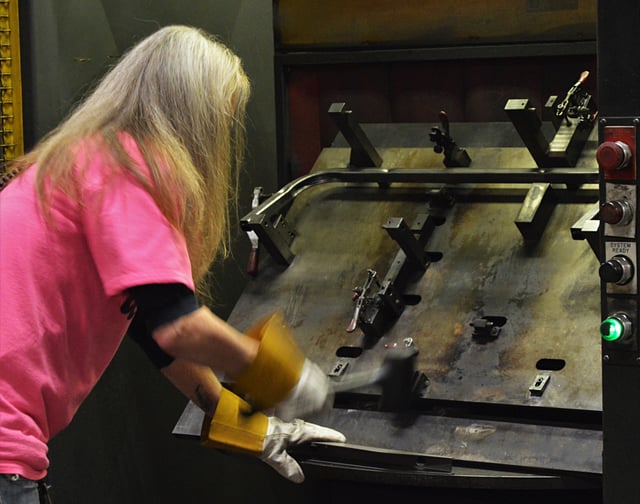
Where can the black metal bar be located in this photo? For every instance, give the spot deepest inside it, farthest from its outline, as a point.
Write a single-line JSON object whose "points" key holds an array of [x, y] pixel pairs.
{"points": [[306, 56], [273, 232], [619, 103], [410, 261], [536, 211], [567, 153], [402, 234], [529, 126], [363, 153], [276, 241], [283, 197], [378, 457]]}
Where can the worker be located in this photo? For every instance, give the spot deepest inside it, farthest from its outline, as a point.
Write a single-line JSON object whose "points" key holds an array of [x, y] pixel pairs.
{"points": [[110, 224]]}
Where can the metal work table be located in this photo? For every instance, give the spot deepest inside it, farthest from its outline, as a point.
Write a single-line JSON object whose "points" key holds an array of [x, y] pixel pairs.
{"points": [[516, 409]]}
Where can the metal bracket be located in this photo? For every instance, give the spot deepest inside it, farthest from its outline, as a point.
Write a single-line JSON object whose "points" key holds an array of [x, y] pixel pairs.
{"points": [[539, 385], [267, 220], [274, 233], [339, 368], [363, 153], [567, 144], [411, 260], [586, 228], [454, 156], [488, 328], [536, 211]]}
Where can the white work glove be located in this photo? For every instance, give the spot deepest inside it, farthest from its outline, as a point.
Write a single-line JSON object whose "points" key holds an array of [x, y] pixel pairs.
{"points": [[280, 376], [313, 393], [235, 428], [283, 435]]}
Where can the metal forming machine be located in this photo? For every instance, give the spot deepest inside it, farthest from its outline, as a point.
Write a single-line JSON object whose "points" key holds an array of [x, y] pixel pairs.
{"points": [[467, 252], [493, 251]]}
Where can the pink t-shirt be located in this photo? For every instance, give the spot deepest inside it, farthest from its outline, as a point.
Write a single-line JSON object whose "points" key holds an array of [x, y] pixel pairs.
{"points": [[61, 287]]}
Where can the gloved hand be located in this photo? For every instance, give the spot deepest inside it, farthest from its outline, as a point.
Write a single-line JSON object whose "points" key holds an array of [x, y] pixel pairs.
{"points": [[280, 376], [234, 428], [283, 435], [312, 393]]}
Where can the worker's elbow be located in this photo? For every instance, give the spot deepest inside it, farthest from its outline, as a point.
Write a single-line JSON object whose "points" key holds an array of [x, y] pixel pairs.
{"points": [[179, 337]]}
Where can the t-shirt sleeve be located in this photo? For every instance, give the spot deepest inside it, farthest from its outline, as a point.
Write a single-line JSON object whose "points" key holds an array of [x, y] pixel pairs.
{"points": [[130, 239]]}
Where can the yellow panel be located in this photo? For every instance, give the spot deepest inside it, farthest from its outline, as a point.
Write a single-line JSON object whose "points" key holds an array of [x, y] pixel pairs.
{"points": [[430, 23], [11, 132]]}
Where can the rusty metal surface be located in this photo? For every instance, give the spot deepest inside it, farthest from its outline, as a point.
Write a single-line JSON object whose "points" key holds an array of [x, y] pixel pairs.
{"points": [[548, 291], [484, 452], [505, 446]]}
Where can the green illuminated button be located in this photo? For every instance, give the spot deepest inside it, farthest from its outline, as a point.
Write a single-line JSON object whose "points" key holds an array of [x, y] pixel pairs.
{"points": [[617, 327], [611, 329]]}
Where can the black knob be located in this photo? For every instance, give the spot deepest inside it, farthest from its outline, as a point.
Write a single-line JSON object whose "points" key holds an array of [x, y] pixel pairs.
{"points": [[611, 271], [619, 270]]}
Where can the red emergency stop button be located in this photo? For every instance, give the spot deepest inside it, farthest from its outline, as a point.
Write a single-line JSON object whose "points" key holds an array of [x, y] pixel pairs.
{"points": [[612, 156]]}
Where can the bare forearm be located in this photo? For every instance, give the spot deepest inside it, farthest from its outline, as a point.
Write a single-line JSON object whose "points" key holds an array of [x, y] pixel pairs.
{"points": [[195, 381], [202, 337]]}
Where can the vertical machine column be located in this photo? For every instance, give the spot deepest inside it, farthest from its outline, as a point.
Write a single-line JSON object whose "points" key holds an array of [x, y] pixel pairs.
{"points": [[617, 157]]}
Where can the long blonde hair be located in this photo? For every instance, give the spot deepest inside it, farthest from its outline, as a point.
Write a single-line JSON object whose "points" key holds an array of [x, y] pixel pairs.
{"points": [[182, 96]]}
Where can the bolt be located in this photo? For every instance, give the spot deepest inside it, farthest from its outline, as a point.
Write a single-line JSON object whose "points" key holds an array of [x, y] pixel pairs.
{"points": [[605, 358], [636, 121], [603, 121]]}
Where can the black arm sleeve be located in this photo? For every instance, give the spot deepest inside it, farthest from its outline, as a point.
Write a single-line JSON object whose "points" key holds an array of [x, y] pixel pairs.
{"points": [[156, 305]]}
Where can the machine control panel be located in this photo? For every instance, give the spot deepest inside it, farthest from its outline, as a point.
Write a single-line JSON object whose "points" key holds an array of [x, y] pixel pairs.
{"points": [[616, 158]]}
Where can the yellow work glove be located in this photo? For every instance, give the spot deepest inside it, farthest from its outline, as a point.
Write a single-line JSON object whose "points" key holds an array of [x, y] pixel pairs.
{"points": [[281, 376], [235, 428]]}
